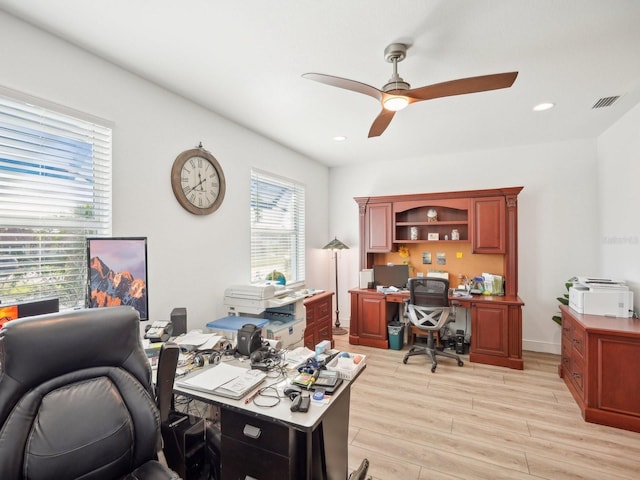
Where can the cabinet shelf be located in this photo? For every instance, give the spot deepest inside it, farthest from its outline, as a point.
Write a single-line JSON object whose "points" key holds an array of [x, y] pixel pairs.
{"points": [[431, 241], [428, 224], [411, 223]]}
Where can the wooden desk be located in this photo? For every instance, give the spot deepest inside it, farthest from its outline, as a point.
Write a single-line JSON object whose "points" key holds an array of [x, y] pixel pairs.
{"points": [[599, 358], [496, 324], [275, 443]]}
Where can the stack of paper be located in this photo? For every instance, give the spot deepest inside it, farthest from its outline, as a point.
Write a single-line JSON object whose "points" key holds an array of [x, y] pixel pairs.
{"points": [[224, 380]]}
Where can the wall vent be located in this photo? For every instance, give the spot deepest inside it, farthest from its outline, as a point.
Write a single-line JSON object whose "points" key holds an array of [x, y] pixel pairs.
{"points": [[605, 102]]}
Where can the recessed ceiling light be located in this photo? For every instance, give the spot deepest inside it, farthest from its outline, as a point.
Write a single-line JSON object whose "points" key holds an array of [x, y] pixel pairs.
{"points": [[339, 138], [541, 107]]}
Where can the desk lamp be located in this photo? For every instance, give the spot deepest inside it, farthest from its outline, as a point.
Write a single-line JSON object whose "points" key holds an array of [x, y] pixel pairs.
{"points": [[335, 245]]}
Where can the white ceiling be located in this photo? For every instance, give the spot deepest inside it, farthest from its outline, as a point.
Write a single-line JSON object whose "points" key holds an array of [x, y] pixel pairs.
{"points": [[244, 60]]}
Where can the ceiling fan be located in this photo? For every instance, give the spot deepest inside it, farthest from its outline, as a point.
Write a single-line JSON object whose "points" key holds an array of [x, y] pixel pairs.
{"points": [[397, 93]]}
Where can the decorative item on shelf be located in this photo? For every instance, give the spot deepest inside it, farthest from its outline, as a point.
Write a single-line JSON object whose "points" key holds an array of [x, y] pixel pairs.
{"points": [[455, 234], [414, 233], [433, 236], [335, 245], [432, 215]]}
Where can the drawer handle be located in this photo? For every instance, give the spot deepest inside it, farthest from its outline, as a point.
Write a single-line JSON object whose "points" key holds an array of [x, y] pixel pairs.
{"points": [[251, 431], [577, 376]]}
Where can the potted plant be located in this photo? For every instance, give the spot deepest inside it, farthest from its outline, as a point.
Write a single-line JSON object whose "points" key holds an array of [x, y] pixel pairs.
{"points": [[564, 300]]}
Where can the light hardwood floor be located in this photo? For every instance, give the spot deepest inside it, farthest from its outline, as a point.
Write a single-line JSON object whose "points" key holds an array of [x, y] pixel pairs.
{"points": [[477, 422]]}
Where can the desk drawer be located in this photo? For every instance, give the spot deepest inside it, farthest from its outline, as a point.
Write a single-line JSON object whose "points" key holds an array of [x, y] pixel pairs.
{"points": [[240, 460], [396, 297], [256, 432]]}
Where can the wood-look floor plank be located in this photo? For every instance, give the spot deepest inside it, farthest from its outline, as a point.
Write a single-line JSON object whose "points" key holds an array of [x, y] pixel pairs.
{"points": [[477, 422]]}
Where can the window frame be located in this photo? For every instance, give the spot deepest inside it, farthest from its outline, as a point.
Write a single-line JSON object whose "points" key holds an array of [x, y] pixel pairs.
{"points": [[55, 190], [284, 233]]}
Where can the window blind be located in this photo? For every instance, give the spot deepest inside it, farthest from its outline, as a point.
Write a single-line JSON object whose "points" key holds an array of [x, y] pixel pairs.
{"points": [[277, 227], [55, 190]]}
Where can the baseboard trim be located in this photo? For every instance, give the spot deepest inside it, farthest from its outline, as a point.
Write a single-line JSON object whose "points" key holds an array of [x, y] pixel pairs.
{"points": [[543, 347]]}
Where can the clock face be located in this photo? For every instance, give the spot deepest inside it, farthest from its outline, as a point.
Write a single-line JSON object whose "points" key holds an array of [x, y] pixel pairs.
{"points": [[198, 181]]}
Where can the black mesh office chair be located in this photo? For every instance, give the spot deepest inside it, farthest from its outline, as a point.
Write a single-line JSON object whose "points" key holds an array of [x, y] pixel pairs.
{"points": [[76, 399], [429, 312]]}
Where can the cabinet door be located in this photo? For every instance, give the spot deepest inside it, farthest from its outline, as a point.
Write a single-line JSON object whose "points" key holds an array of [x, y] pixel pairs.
{"points": [[372, 317], [489, 220], [490, 330], [616, 385], [379, 227]]}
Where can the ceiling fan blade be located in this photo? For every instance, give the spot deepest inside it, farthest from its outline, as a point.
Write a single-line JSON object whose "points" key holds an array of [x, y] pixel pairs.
{"points": [[381, 123], [462, 86], [345, 83]]}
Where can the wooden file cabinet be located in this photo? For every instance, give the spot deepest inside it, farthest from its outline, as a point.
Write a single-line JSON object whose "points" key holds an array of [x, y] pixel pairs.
{"points": [[598, 365], [318, 315]]}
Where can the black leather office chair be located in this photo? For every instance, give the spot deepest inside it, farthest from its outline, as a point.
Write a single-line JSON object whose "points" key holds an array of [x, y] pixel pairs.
{"points": [[429, 312], [76, 399]]}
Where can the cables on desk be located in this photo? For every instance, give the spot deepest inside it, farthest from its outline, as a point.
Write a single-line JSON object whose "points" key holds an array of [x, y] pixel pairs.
{"points": [[269, 392]]}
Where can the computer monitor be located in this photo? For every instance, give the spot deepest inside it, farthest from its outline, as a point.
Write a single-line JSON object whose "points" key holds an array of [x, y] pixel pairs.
{"points": [[28, 309], [391, 275], [8, 313], [117, 271]]}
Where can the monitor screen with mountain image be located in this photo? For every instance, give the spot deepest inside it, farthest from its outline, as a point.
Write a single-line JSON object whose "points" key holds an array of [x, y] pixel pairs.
{"points": [[117, 273]]}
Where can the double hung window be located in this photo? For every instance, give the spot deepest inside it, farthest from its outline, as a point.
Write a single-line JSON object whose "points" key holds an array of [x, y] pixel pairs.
{"points": [[55, 190], [277, 228]]}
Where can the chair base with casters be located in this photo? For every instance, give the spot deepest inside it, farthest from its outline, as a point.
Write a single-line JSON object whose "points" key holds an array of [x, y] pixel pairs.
{"points": [[431, 350]]}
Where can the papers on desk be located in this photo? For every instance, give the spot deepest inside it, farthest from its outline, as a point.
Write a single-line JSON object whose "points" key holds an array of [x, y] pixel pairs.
{"points": [[196, 340], [224, 380], [297, 357]]}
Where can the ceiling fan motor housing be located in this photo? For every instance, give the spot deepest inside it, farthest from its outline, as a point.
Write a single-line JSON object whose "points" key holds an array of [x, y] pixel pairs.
{"points": [[394, 53]]}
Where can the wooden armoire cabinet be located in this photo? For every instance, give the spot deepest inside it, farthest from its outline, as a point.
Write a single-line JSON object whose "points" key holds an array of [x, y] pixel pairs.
{"points": [[485, 219]]}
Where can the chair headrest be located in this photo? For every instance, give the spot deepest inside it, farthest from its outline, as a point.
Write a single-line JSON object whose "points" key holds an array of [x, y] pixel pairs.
{"points": [[35, 349]]}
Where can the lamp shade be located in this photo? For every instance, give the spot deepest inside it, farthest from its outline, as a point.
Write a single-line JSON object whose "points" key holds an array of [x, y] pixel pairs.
{"points": [[335, 244]]}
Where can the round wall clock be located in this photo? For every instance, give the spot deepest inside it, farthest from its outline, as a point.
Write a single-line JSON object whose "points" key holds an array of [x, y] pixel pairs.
{"points": [[198, 181]]}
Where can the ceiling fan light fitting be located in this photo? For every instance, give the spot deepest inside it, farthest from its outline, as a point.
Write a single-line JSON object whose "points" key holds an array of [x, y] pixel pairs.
{"points": [[395, 103]]}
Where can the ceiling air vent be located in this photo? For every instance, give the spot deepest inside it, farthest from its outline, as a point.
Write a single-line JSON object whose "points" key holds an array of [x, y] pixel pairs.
{"points": [[605, 102]]}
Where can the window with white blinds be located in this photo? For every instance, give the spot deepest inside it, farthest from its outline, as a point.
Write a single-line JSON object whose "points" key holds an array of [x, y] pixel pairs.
{"points": [[55, 190], [277, 227]]}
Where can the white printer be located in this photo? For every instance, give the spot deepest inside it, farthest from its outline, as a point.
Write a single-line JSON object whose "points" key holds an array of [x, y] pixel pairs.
{"points": [[601, 296], [283, 307], [252, 299]]}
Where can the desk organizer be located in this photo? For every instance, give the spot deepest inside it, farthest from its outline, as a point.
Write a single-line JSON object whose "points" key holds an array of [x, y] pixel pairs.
{"points": [[346, 367]]}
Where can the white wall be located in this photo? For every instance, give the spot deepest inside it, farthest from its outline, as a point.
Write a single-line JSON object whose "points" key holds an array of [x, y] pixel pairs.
{"points": [[192, 259], [619, 199], [571, 202], [557, 225]]}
